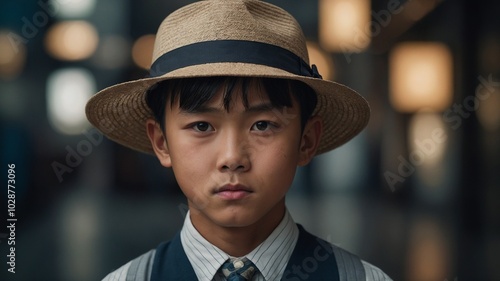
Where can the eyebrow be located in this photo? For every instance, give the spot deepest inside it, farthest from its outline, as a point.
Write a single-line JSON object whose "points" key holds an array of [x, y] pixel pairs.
{"points": [[263, 107]]}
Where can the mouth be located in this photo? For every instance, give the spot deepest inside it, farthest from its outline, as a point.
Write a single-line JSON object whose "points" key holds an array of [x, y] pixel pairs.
{"points": [[233, 192]]}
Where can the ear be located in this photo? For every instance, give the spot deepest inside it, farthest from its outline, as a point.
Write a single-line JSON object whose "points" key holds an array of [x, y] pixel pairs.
{"points": [[158, 142], [310, 140]]}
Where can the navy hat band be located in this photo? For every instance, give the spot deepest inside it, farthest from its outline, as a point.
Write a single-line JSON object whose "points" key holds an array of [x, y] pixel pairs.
{"points": [[232, 51]]}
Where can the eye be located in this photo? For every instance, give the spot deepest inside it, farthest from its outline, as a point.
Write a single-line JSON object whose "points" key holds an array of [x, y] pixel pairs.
{"points": [[202, 127], [261, 126]]}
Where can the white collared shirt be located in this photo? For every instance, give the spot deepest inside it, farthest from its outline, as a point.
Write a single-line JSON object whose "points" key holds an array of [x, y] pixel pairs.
{"points": [[270, 257]]}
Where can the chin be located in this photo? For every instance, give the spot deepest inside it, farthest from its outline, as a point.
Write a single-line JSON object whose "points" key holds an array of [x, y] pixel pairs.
{"points": [[234, 219]]}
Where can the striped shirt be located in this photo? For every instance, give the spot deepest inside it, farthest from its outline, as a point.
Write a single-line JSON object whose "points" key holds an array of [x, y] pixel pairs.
{"points": [[270, 257]]}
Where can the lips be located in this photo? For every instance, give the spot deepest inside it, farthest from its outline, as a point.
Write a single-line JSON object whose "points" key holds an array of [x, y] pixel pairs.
{"points": [[233, 192]]}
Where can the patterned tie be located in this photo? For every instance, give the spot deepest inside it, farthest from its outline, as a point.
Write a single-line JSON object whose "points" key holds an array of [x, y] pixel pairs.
{"points": [[238, 269]]}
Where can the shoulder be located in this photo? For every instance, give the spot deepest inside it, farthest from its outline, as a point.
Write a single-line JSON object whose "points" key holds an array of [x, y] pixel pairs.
{"points": [[374, 273], [354, 268], [139, 268], [349, 265], [118, 275]]}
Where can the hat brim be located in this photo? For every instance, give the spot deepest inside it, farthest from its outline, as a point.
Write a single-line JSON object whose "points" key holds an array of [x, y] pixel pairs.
{"points": [[120, 111]]}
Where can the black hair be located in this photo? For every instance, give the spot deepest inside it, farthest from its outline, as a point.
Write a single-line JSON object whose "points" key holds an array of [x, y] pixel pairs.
{"points": [[195, 92]]}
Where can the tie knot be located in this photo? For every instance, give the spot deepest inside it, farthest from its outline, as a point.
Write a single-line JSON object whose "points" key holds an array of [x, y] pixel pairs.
{"points": [[238, 269]]}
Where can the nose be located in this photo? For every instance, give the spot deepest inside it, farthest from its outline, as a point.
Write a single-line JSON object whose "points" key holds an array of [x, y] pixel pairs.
{"points": [[234, 153]]}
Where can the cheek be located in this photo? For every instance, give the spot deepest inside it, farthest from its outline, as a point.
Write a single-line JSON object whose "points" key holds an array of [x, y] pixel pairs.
{"points": [[277, 164], [189, 164], [192, 176]]}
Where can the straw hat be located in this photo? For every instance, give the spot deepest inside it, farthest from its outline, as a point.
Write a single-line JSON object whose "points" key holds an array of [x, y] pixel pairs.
{"points": [[227, 38]]}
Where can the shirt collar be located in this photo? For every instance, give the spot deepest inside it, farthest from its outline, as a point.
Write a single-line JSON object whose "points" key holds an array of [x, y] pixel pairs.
{"points": [[270, 257]]}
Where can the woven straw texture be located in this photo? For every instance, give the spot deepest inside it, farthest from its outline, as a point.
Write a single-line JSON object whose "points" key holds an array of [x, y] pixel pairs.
{"points": [[120, 111]]}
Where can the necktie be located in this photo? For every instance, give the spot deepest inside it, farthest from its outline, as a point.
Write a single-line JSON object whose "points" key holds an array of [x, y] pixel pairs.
{"points": [[238, 269]]}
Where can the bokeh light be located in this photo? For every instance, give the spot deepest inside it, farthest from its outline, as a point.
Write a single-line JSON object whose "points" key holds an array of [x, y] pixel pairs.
{"points": [[428, 141], [344, 25], [71, 9], [67, 93], [12, 55], [421, 76], [488, 111], [427, 134], [429, 258], [142, 51], [72, 40]]}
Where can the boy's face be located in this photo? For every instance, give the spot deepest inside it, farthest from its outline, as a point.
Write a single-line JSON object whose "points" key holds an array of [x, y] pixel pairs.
{"points": [[235, 166]]}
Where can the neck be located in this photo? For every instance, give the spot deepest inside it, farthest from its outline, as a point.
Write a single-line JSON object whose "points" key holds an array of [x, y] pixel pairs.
{"points": [[237, 241]]}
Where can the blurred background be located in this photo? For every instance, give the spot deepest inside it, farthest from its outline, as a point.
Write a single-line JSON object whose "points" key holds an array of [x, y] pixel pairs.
{"points": [[415, 194]]}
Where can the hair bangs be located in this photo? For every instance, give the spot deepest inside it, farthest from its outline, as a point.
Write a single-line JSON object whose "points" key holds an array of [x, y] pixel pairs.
{"points": [[192, 93]]}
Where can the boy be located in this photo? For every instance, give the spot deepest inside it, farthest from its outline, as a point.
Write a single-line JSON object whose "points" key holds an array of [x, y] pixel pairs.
{"points": [[233, 107]]}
